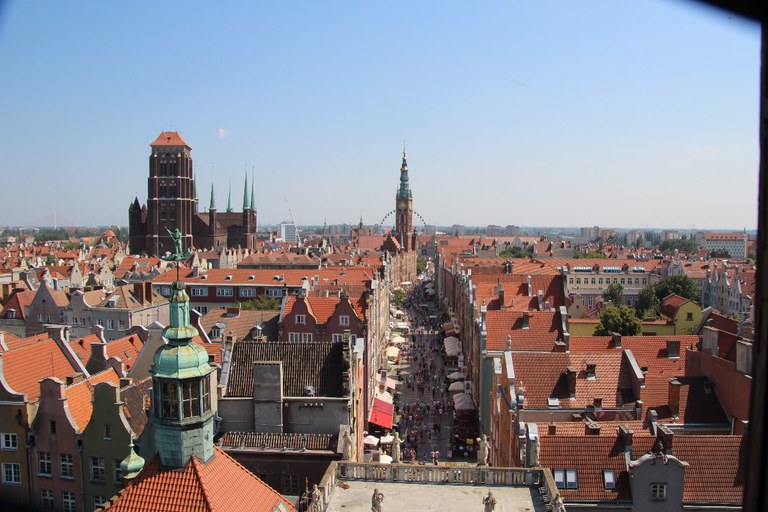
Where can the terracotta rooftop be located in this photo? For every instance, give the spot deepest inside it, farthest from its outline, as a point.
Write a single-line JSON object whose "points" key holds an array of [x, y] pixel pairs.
{"points": [[240, 322], [315, 364], [25, 366], [544, 328], [80, 396], [169, 139], [220, 485], [135, 397]]}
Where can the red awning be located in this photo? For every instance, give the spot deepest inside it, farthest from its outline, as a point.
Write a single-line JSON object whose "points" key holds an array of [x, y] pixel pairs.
{"points": [[381, 414]]}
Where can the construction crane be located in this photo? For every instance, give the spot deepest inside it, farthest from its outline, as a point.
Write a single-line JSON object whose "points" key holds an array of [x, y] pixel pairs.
{"points": [[295, 227]]}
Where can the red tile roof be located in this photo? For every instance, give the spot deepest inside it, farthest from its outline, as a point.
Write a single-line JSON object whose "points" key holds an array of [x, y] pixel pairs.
{"points": [[671, 304], [219, 485], [544, 328], [169, 139], [26, 366], [19, 301], [80, 396]]}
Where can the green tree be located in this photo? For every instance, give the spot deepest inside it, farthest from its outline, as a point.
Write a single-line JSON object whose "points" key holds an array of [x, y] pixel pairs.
{"points": [[614, 294], [261, 303], [421, 265], [679, 285], [681, 244], [398, 296], [620, 319], [648, 303]]}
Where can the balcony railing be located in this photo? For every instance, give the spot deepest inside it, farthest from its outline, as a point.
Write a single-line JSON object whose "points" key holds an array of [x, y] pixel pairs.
{"points": [[540, 478]]}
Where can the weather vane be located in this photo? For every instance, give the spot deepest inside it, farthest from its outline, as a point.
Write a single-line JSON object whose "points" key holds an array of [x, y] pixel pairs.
{"points": [[178, 253]]}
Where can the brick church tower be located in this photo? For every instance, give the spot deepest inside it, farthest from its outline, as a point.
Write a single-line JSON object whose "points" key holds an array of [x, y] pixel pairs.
{"points": [[404, 209]]}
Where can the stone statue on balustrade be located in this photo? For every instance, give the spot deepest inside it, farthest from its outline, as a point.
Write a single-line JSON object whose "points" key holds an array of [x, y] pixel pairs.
{"points": [[483, 447], [489, 502], [396, 442], [376, 500], [349, 445], [316, 505]]}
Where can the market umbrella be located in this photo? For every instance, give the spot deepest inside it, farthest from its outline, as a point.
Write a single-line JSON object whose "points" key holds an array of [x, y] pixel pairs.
{"points": [[371, 440], [387, 439], [463, 402], [397, 340], [385, 459], [456, 376], [456, 386]]}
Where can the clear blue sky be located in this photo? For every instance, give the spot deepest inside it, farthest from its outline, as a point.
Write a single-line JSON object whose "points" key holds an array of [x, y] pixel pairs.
{"points": [[529, 113]]}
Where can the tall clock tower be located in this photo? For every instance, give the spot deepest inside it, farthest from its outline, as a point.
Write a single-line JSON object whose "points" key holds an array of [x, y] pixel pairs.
{"points": [[404, 208]]}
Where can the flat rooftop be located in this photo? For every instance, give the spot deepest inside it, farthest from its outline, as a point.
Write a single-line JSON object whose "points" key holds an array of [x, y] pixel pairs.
{"points": [[432, 496]]}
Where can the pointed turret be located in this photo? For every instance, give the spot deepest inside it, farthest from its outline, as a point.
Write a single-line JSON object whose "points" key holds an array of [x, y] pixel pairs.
{"points": [[405, 188], [246, 203], [212, 205], [253, 200], [229, 198]]}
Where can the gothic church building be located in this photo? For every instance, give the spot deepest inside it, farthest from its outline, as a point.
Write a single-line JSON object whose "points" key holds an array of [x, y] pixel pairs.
{"points": [[172, 203]]}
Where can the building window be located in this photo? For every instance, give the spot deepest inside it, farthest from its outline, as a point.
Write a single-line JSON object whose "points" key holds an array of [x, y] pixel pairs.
{"points": [[224, 291], [689, 316], [199, 291], [600, 280], [110, 325], [247, 292], [206, 394], [10, 441], [565, 478], [274, 292], [121, 325], [578, 280], [99, 501], [170, 401], [190, 399], [344, 320], [52, 427], [44, 467], [82, 322], [66, 466], [336, 338], [293, 336], [291, 484], [215, 332], [117, 475], [609, 479], [658, 492], [11, 473], [100, 322], [98, 469], [68, 501], [306, 336], [165, 291], [107, 431], [301, 319], [203, 310], [46, 499]]}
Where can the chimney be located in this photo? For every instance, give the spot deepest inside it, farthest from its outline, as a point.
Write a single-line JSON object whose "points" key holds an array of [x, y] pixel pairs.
{"points": [[551, 429], [74, 378], [673, 349], [651, 419], [673, 398], [501, 298], [138, 292], [526, 320], [148, 292], [625, 433], [591, 370], [530, 290], [744, 357], [616, 338], [591, 427], [233, 311], [540, 296], [666, 436], [570, 375]]}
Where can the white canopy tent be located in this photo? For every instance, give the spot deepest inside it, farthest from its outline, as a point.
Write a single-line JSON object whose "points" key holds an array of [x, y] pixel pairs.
{"points": [[392, 352], [397, 339], [456, 386], [456, 376], [463, 402], [371, 440], [452, 346]]}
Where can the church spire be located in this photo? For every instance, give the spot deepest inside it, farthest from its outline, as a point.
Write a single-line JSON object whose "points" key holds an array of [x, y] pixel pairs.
{"points": [[253, 200], [405, 188], [212, 205], [229, 198], [245, 192]]}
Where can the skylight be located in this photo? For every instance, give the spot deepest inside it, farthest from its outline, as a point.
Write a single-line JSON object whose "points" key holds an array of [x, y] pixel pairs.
{"points": [[609, 479]]}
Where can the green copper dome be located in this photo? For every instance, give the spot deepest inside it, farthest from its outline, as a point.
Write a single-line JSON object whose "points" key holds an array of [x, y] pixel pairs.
{"points": [[181, 358], [132, 464]]}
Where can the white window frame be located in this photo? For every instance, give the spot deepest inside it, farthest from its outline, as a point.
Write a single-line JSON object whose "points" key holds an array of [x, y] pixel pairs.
{"points": [[203, 310], [198, 291], [117, 475], [306, 337], [609, 479], [99, 501], [10, 441], [121, 325], [336, 338], [46, 499], [301, 319], [247, 292], [293, 337], [81, 321], [658, 491], [69, 465], [11, 473], [110, 324], [98, 469], [224, 291], [344, 320], [274, 292], [68, 501], [44, 464], [100, 322]]}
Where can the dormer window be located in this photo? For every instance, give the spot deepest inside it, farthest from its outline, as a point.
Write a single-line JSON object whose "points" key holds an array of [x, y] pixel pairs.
{"points": [[344, 320], [591, 368], [609, 479], [553, 403]]}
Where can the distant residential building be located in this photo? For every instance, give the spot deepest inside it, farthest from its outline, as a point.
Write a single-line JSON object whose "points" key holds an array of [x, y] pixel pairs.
{"points": [[590, 233], [735, 244], [586, 283], [635, 237], [458, 230], [288, 232], [670, 234]]}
